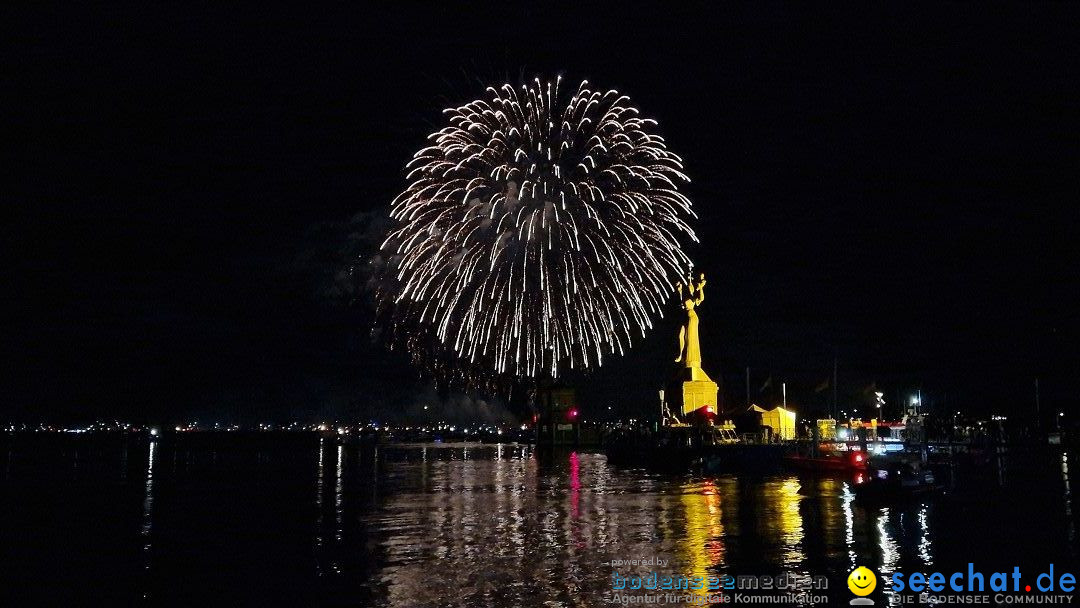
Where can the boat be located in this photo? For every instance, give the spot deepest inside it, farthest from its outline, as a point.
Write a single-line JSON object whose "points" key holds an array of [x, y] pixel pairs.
{"points": [[689, 448], [897, 477], [828, 457]]}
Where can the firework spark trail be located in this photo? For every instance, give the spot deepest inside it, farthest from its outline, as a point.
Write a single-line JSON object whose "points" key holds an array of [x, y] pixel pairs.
{"points": [[539, 231]]}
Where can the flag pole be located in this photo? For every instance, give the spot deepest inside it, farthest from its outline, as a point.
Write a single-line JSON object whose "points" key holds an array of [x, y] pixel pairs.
{"points": [[747, 386], [834, 365]]}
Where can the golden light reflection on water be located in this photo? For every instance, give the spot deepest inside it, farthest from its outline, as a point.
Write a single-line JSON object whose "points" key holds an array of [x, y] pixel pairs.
{"points": [[499, 525], [702, 551], [779, 522], [791, 522], [488, 525]]}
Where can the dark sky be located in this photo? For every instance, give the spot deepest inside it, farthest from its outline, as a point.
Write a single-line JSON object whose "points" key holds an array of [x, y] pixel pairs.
{"points": [[897, 187]]}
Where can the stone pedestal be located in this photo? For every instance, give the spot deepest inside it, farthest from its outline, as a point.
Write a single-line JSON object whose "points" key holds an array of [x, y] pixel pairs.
{"points": [[692, 391]]}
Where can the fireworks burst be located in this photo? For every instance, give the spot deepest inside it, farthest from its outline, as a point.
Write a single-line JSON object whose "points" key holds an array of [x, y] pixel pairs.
{"points": [[539, 231]]}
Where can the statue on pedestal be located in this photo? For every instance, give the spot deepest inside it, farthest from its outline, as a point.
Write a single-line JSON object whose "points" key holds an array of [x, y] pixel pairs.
{"points": [[693, 391]]}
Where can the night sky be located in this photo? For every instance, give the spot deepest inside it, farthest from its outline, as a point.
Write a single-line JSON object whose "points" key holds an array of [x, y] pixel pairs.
{"points": [[891, 187]]}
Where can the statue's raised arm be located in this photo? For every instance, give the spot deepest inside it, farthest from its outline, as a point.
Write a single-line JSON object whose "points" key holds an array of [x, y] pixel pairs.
{"points": [[699, 289]]}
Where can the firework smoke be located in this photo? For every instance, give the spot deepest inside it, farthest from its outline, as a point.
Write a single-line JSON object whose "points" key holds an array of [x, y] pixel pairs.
{"points": [[539, 231]]}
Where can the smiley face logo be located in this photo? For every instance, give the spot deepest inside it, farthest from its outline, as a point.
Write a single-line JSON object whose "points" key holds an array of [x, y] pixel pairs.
{"points": [[861, 581]]}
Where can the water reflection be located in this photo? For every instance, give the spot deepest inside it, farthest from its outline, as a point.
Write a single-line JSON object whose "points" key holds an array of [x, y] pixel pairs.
{"points": [[339, 508], [491, 525], [925, 548], [846, 500], [1070, 522], [789, 521], [890, 553], [703, 550], [320, 486], [147, 527], [503, 524]]}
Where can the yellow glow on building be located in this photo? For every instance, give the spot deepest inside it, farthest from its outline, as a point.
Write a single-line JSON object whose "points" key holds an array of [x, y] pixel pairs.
{"points": [[780, 420], [826, 429]]}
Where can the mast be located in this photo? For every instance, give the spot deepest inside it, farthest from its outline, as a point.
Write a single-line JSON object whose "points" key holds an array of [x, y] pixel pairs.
{"points": [[832, 410], [1038, 413], [747, 386]]}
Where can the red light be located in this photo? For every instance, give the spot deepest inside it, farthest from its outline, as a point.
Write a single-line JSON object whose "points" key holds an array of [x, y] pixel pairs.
{"points": [[573, 413], [858, 457]]}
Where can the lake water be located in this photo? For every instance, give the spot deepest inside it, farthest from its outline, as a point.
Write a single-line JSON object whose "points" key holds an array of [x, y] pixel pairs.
{"points": [[298, 520]]}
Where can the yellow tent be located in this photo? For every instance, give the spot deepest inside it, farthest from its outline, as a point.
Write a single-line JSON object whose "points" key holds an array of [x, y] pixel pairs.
{"points": [[780, 420]]}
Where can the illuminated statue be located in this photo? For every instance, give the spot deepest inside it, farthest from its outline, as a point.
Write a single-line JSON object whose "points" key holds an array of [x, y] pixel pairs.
{"points": [[692, 391], [689, 346]]}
